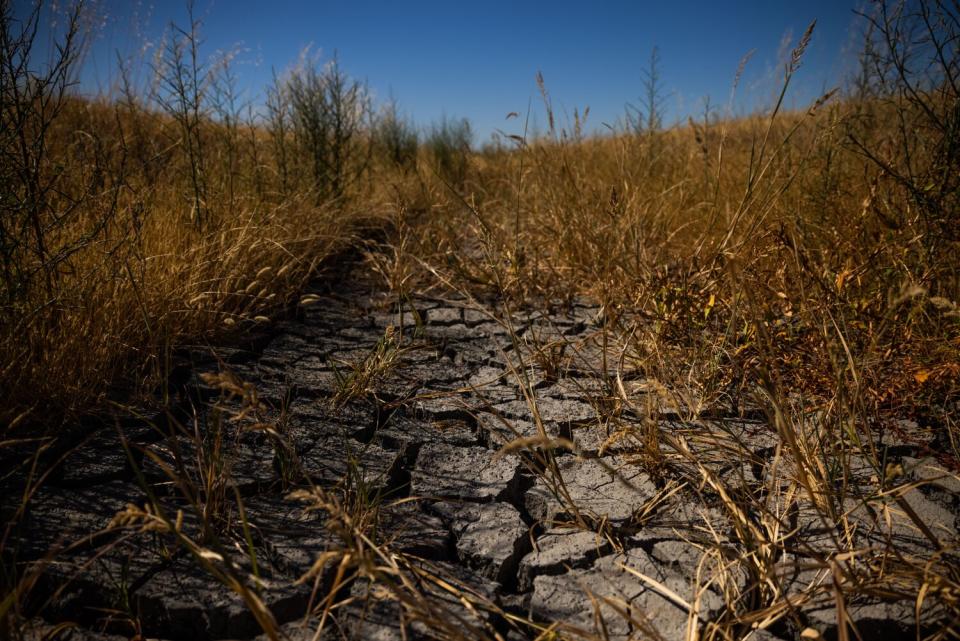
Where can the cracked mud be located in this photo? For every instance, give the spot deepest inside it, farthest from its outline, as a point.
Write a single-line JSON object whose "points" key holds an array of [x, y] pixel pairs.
{"points": [[412, 422]]}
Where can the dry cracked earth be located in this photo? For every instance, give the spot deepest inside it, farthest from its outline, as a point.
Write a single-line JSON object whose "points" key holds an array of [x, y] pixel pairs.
{"points": [[402, 422]]}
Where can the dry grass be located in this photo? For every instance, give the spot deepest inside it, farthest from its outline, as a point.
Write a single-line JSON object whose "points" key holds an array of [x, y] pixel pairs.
{"points": [[798, 265], [110, 264], [792, 272]]}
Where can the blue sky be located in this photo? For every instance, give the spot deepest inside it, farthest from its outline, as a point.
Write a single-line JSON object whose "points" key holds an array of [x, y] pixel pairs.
{"points": [[479, 59]]}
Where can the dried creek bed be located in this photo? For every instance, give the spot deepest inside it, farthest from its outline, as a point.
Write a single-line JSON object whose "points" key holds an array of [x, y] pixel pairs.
{"points": [[430, 430]]}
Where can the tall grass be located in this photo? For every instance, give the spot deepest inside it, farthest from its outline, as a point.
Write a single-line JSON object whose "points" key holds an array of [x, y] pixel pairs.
{"points": [[796, 265], [776, 243], [167, 215]]}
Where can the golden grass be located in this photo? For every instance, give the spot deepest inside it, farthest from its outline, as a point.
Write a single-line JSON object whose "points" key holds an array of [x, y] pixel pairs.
{"points": [[801, 277], [801, 265], [134, 279]]}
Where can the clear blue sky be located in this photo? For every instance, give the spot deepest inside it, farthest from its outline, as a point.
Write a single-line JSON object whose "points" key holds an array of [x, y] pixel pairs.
{"points": [[479, 59]]}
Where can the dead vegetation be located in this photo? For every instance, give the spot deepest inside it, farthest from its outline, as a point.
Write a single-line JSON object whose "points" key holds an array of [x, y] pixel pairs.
{"points": [[797, 266]]}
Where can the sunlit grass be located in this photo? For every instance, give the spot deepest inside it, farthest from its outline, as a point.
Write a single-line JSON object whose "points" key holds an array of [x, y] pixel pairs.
{"points": [[799, 266]]}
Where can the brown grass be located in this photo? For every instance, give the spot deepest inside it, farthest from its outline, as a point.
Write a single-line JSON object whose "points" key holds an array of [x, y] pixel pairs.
{"points": [[130, 277], [798, 265], [813, 272]]}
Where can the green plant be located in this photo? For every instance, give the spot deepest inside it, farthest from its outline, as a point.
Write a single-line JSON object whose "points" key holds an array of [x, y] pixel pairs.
{"points": [[647, 118], [397, 136], [329, 114], [184, 81], [449, 143]]}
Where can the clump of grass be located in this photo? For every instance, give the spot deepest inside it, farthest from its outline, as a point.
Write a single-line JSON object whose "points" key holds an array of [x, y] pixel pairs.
{"points": [[360, 379]]}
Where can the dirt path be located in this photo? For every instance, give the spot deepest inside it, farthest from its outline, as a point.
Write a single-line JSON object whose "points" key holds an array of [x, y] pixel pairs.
{"points": [[396, 428]]}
